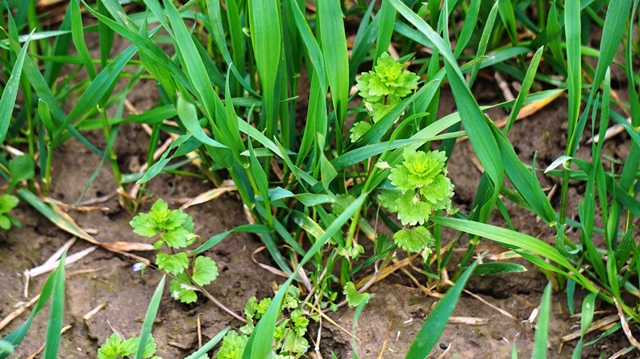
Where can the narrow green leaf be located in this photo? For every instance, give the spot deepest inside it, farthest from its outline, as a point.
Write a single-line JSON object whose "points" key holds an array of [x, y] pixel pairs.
{"points": [[189, 118], [336, 58], [54, 217], [574, 70], [542, 326], [505, 8], [499, 267], [209, 345], [248, 228], [266, 38], [149, 318], [56, 314], [10, 92], [77, 33], [433, 327]]}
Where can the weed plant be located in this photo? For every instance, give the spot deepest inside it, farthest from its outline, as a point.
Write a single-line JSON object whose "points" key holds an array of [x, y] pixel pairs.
{"points": [[231, 86]]}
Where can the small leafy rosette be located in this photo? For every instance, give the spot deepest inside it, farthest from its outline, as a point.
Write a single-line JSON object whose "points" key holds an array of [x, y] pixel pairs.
{"points": [[420, 187], [174, 226], [382, 89]]}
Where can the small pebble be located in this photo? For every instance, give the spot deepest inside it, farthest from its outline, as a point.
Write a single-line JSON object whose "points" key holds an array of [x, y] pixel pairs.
{"points": [[443, 346], [497, 335]]}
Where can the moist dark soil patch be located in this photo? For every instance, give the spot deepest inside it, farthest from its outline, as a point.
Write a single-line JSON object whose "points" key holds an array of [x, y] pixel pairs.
{"points": [[390, 320]]}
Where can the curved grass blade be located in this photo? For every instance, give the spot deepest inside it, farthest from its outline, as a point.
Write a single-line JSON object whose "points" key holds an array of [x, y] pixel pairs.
{"points": [[542, 327], [189, 117], [54, 326], [433, 327], [16, 336], [145, 332], [10, 93], [209, 345], [588, 308], [514, 239], [98, 88], [247, 228], [54, 217]]}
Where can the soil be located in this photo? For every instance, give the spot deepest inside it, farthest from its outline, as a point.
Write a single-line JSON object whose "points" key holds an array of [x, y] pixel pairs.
{"points": [[390, 320]]}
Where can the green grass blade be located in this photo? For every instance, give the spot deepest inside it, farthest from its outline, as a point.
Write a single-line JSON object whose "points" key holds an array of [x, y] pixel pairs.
{"points": [[189, 118], [314, 51], [10, 92], [195, 69], [614, 26], [336, 59], [523, 180], [16, 336], [387, 15], [505, 8], [247, 228], [266, 38], [574, 71], [513, 239], [54, 326], [542, 326], [524, 89], [77, 33], [99, 87], [145, 332], [468, 28], [209, 345], [433, 327]]}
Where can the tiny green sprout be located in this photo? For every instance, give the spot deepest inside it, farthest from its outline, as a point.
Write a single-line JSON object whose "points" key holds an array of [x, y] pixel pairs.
{"points": [[420, 187], [116, 348], [7, 203], [382, 89], [175, 228], [354, 298]]}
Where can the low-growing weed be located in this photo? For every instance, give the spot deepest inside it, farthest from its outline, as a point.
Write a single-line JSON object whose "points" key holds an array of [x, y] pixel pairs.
{"points": [[117, 348], [293, 321], [189, 273]]}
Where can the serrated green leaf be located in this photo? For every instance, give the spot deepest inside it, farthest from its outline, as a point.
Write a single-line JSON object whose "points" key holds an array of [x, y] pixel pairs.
{"points": [[143, 225], [411, 210], [359, 129], [353, 297], [413, 240], [177, 238], [205, 270], [111, 348], [182, 291], [174, 264]]}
